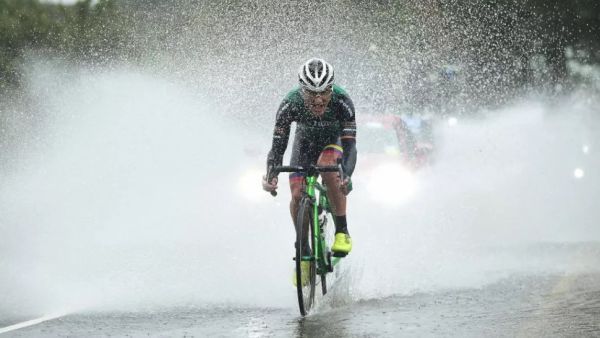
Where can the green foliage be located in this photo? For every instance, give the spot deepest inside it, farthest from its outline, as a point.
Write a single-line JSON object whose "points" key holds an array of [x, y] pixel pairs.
{"points": [[494, 33], [507, 44], [84, 30]]}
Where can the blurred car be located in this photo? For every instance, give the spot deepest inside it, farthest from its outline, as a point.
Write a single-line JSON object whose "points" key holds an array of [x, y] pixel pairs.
{"points": [[415, 133], [391, 149], [406, 137]]}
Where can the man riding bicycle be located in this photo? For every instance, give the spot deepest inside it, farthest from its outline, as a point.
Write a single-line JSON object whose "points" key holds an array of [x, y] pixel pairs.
{"points": [[325, 132]]}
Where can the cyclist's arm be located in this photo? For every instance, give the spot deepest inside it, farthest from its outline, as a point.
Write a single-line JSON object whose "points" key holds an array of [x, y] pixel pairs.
{"points": [[281, 134], [348, 135], [350, 154]]}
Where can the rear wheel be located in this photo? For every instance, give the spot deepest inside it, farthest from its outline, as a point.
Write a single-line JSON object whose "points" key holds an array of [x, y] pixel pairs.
{"points": [[328, 235], [305, 248]]}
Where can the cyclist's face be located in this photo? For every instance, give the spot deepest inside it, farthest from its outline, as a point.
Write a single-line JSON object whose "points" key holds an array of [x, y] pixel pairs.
{"points": [[317, 101]]}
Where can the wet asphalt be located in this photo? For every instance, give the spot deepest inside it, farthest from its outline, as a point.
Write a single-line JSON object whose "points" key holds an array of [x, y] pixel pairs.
{"points": [[517, 306]]}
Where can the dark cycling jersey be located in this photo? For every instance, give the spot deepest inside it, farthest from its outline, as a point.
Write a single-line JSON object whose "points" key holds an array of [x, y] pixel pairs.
{"points": [[336, 126]]}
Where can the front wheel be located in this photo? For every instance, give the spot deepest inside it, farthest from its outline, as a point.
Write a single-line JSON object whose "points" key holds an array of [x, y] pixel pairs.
{"points": [[305, 261]]}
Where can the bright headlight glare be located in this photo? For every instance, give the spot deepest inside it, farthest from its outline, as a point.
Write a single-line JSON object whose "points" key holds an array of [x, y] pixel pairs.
{"points": [[249, 185], [578, 173], [452, 121], [585, 149], [391, 184]]}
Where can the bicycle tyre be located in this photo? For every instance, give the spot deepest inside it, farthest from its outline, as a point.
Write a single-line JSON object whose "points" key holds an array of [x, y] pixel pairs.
{"points": [[325, 237], [306, 293], [327, 259]]}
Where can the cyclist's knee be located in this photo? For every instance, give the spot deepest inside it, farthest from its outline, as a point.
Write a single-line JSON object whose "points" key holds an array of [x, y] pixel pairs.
{"points": [[296, 190], [296, 196], [332, 181]]}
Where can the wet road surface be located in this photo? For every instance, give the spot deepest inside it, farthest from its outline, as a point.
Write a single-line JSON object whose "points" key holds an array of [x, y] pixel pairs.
{"points": [[553, 305]]}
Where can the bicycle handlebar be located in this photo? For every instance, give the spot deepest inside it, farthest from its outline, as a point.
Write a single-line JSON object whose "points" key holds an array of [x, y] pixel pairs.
{"points": [[311, 170], [293, 169]]}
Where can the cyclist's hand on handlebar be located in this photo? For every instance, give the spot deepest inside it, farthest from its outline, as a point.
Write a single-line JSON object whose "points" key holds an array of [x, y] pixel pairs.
{"points": [[269, 186], [346, 185]]}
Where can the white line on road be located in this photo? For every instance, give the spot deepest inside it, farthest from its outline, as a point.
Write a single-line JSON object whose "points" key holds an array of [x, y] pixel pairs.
{"points": [[30, 322]]}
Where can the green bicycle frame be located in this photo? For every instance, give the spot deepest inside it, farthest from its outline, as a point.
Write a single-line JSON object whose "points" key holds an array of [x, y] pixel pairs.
{"points": [[324, 259], [312, 186]]}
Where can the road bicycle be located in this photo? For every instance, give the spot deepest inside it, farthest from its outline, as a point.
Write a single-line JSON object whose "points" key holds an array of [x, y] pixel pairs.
{"points": [[312, 232]]}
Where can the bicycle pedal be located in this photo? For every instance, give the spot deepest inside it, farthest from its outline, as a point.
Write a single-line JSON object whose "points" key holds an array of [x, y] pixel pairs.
{"points": [[340, 254]]}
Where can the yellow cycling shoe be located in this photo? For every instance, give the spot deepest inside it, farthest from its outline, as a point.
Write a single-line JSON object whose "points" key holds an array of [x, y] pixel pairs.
{"points": [[342, 244], [305, 268]]}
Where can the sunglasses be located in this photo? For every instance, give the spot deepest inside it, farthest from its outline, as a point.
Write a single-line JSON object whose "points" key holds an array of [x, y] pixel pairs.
{"points": [[325, 92]]}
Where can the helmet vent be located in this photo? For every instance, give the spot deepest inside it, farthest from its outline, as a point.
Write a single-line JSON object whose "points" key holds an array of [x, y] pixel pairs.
{"points": [[316, 75]]}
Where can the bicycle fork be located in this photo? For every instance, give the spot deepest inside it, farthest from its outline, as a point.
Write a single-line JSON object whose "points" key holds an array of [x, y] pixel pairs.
{"points": [[320, 222]]}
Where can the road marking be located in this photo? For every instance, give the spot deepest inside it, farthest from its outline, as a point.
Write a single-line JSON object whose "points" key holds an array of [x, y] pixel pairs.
{"points": [[30, 322]]}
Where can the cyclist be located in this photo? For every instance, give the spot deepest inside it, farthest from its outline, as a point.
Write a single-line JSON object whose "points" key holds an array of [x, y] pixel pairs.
{"points": [[325, 131]]}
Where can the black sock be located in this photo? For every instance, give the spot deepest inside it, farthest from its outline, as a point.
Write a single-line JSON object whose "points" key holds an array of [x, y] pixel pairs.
{"points": [[340, 224]]}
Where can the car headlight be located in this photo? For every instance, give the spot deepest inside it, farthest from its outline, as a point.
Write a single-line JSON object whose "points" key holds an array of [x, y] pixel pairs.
{"points": [[248, 185], [391, 184], [585, 149], [578, 173], [452, 121]]}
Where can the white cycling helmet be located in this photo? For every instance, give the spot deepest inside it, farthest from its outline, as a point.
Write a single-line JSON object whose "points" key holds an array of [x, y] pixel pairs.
{"points": [[315, 75]]}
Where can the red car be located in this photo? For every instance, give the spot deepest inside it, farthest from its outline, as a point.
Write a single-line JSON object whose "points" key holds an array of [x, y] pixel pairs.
{"points": [[389, 153], [408, 137]]}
